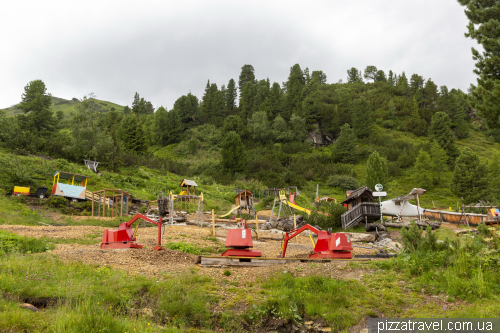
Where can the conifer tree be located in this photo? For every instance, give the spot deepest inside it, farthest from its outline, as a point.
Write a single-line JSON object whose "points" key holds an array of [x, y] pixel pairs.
{"points": [[391, 111], [161, 125], [273, 104], [391, 79], [353, 75], [175, 127], [262, 91], [231, 95], [484, 27], [380, 76], [361, 115], [439, 161], [402, 85], [423, 171], [247, 75], [36, 104], [318, 77], [416, 124], [470, 177], [234, 155], [376, 171], [344, 149], [187, 108], [247, 100], [370, 73], [294, 87], [458, 116], [440, 131]]}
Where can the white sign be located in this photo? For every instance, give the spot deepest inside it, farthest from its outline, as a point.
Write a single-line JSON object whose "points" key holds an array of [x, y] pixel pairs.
{"points": [[379, 194], [243, 233], [379, 187]]}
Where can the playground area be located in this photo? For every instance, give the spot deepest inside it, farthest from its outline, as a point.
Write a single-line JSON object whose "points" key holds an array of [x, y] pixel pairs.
{"points": [[72, 244]]}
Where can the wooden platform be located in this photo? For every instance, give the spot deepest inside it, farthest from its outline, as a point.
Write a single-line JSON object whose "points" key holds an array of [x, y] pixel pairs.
{"points": [[207, 261]]}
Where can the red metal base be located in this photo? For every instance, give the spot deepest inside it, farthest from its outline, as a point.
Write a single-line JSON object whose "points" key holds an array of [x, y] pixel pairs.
{"points": [[121, 245], [242, 253], [331, 255]]}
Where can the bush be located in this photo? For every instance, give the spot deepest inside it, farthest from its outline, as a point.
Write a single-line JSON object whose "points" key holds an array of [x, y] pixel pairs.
{"points": [[57, 201], [330, 218], [14, 243], [343, 181]]}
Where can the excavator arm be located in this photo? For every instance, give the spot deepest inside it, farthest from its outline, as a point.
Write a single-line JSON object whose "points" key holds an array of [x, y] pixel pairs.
{"points": [[291, 234], [140, 216]]}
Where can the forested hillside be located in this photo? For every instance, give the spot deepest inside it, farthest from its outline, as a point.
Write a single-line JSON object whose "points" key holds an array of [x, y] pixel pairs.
{"points": [[401, 130]]}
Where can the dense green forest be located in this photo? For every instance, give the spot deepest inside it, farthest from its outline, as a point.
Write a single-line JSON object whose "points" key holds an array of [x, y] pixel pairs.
{"points": [[302, 130]]}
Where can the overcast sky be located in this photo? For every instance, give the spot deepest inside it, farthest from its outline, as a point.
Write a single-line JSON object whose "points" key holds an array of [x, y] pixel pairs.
{"points": [[164, 49]]}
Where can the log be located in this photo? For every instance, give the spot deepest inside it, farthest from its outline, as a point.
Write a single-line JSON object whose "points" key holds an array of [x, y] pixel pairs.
{"points": [[362, 237], [375, 227]]}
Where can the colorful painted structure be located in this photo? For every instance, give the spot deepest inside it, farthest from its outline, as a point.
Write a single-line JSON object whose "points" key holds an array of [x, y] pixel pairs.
{"points": [[69, 189]]}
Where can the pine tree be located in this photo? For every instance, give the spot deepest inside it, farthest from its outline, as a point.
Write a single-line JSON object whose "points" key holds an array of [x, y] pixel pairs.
{"points": [[484, 27], [402, 85], [470, 177], [294, 87], [207, 101], [36, 105], [231, 95], [416, 124], [247, 100], [376, 171], [262, 91], [441, 132], [344, 149], [318, 77], [175, 128], [416, 83], [439, 161], [188, 109], [160, 128], [380, 76], [273, 104], [353, 75], [247, 75], [136, 103], [458, 116], [234, 155], [391, 79], [423, 171], [370, 73], [361, 114], [391, 111]]}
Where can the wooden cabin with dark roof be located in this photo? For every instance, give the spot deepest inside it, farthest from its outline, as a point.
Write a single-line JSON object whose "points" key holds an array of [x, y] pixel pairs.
{"points": [[361, 207]]}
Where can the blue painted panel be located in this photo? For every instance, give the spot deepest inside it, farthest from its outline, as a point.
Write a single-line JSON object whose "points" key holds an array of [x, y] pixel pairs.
{"points": [[72, 191]]}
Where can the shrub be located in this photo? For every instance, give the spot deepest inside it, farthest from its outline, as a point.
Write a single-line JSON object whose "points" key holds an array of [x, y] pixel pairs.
{"points": [[343, 181], [14, 243], [57, 201], [227, 272]]}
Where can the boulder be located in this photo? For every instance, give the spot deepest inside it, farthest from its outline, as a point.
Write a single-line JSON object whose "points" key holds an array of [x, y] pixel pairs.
{"points": [[362, 237]]}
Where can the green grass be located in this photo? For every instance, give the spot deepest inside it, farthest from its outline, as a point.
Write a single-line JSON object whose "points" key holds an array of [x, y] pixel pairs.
{"points": [[11, 242], [82, 298], [193, 249]]}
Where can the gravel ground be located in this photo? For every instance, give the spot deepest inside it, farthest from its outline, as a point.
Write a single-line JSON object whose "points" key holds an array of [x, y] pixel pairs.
{"points": [[162, 263]]}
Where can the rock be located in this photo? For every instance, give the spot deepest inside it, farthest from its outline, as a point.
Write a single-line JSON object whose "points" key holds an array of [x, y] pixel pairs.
{"points": [[364, 330], [147, 312], [29, 307], [375, 227], [362, 237]]}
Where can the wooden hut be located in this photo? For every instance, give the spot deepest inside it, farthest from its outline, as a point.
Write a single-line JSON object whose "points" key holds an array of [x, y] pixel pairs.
{"points": [[189, 186], [361, 207], [244, 199]]}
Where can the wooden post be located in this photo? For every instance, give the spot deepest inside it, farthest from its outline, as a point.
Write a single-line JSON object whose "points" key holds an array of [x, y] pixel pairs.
{"points": [[121, 204], [294, 222], [317, 192], [257, 226], [104, 204], [213, 223], [92, 203], [418, 207], [113, 206]]}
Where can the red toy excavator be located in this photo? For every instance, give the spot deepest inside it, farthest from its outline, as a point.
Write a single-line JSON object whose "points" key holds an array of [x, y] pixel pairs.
{"points": [[328, 246], [124, 237]]}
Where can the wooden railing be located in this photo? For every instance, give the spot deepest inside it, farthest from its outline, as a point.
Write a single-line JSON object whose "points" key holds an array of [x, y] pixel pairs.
{"points": [[356, 214]]}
